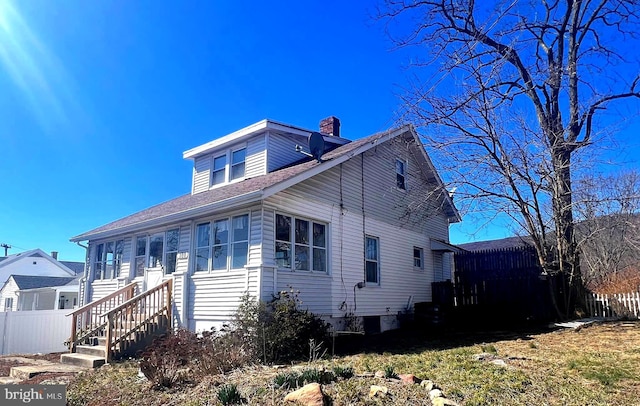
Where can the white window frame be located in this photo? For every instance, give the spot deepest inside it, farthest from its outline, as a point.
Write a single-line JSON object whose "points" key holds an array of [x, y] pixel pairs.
{"points": [[372, 260], [310, 245], [419, 258], [229, 165], [401, 174], [145, 258], [108, 266], [8, 304], [231, 244]]}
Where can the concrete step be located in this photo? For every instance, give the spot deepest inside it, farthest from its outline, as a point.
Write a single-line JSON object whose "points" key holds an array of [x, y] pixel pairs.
{"points": [[29, 371], [82, 360], [95, 350]]}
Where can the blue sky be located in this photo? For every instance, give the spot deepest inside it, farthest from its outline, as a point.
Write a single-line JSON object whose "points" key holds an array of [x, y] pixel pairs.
{"points": [[98, 100]]}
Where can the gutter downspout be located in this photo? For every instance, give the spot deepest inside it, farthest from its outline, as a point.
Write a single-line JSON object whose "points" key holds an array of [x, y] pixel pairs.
{"points": [[83, 281]]}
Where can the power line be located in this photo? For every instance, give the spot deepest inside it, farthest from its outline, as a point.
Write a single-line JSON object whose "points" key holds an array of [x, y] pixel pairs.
{"points": [[6, 248]]}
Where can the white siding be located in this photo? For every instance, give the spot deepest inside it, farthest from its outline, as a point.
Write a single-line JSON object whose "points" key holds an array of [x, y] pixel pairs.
{"points": [[36, 265], [9, 291], [282, 150], [201, 174], [214, 298], [255, 162], [336, 197]]}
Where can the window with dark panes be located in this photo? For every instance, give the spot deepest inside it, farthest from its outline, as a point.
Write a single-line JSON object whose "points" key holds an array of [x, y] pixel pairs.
{"points": [[220, 244], [283, 241], [372, 260], [203, 233], [108, 259], [141, 255], [156, 249], [401, 174], [305, 242], [418, 257], [171, 254]]}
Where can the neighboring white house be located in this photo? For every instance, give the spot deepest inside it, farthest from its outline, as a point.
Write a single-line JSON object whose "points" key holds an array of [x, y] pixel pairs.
{"points": [[29, 292], [365, 230], [38, 263]]}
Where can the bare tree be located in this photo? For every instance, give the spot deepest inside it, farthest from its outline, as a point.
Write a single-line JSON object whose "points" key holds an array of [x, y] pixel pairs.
{"points": [[514, 99], [608, 226]]}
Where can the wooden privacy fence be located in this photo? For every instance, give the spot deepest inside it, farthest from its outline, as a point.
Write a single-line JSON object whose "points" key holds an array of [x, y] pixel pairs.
{"points": [[615, 305], [504, 285]]}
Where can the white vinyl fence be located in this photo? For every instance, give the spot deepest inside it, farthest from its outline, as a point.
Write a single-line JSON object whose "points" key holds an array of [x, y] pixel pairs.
{"points": [[616, 305], [37, 331]]}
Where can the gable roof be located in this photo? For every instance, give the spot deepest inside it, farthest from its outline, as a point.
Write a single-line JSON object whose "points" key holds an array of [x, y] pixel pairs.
{"points": [[254, 189], [76, 267], [38, 253], [25, 282]]}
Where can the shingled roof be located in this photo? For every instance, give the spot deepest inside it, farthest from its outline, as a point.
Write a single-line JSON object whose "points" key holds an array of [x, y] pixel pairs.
{"points": [[25, 282], [248, 190]]}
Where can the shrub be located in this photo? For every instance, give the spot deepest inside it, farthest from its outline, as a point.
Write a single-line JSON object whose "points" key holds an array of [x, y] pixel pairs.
{"points": [[278, 331], [287, 380], [164, 361]]}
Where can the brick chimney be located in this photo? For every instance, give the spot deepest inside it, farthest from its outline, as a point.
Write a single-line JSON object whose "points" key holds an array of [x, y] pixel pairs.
{"points": [[54, 255], [331, 126]]}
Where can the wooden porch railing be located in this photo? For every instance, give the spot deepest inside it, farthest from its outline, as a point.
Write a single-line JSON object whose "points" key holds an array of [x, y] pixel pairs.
{"points": [[89, 319], [137, 317]]}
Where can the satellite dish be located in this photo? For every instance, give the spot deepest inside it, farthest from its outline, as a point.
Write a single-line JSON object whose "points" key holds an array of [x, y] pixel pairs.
{"points": [[316, 145]]}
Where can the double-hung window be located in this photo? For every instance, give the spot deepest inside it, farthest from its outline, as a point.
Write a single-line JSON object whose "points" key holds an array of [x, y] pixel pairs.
{"points": [[301, 244], [222, 244], [418, 258], [401, 174], [107, 260], [219, 174], [237, 163], [158, 250], [372, 260], [228, 166]]}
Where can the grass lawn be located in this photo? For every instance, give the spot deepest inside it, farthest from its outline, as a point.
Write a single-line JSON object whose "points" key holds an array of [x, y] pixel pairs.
{"points": [[595, 365]]}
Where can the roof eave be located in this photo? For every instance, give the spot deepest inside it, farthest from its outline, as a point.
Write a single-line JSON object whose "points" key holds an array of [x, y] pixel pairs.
{"points": [[174, 217], [249, 131]]}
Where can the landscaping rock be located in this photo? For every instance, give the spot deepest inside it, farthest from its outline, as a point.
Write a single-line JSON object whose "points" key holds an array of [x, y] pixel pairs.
{"points": [[443, 402], [428, 385], [499, 362], [379, 374], [366, 375], [309, 395], [377, 391], [409, 379], [435, 393]]}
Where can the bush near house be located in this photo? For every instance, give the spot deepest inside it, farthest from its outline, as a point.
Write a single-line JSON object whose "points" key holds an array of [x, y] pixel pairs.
{"points": [[278, 331]]}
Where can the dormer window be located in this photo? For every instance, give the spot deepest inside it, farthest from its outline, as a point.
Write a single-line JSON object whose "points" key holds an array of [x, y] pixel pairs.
{"points": [[237, 163], [219, 175], [228, 166]]}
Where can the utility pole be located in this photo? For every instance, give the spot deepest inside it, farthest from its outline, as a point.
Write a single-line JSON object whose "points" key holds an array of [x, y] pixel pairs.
{"points": [[6, 248]]}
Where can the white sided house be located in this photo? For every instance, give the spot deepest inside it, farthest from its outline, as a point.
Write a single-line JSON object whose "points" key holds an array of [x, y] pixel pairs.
{"points": [[35, 262], [363, 231]]}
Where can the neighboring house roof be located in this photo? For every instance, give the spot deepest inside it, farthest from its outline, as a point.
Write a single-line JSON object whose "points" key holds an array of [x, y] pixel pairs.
{"points": [[25, 282], [38, 253], [509, 242], [2, 258], [76, 267], [255, 189]]}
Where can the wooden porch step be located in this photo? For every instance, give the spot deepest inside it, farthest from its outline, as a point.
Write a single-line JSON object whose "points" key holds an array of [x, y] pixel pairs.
{"points": [[82, 360]]}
